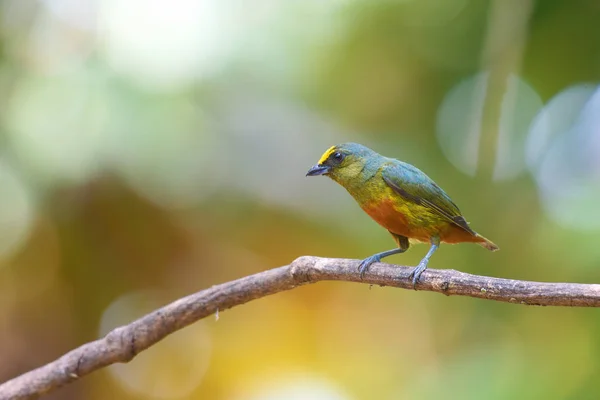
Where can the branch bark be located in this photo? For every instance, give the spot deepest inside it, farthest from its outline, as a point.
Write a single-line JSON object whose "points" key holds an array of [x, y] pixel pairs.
{"points": [[125, 342]]}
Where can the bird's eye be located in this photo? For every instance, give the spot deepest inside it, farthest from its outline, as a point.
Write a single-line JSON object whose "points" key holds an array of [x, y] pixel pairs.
{"points": [[338, 157]]}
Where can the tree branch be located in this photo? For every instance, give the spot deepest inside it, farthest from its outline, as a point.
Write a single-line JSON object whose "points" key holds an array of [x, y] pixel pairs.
{"points": [[124, 343]]}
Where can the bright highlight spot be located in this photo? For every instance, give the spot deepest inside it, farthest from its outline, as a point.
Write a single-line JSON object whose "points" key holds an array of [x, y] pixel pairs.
{"points": [[171, 369], [520, 105], [459, 124], [569, 171], [55, 126], [556, 119], [293, 387], [165, 44]]}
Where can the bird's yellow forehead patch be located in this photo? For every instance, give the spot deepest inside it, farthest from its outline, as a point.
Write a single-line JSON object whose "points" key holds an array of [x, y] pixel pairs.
{"points": [[326, 155]]}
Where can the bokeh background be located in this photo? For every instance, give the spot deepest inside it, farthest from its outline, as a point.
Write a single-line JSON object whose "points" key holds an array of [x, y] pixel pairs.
{"points": [[150, 149]]}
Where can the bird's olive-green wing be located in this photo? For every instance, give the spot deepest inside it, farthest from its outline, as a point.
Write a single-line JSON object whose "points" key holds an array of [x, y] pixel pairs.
{"points": [[413, 185]]}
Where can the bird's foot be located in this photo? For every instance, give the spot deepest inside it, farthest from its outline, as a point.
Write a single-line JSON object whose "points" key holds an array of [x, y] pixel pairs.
{"points": [[366, 263], [416, 273]]}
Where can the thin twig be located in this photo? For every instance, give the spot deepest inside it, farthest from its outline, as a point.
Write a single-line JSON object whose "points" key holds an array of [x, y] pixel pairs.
{"points": [[124, 343]]}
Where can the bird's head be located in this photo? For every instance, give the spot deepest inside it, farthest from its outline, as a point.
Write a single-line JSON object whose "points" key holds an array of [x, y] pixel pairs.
{"points": [[343, 162]]}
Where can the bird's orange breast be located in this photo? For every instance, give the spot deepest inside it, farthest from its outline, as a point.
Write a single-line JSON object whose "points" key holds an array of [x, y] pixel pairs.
{"points": [[416, 222], [397, 220]]}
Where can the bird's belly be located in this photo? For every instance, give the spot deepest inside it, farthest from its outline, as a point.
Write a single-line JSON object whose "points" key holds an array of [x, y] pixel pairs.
{"points": [[402, 219]]}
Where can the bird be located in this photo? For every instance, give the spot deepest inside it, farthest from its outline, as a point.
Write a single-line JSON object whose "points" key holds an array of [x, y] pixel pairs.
{"points": [[399, 197]]}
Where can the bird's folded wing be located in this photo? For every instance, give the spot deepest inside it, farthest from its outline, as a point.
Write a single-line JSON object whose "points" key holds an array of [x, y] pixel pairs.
{"points": [[413, 185]]}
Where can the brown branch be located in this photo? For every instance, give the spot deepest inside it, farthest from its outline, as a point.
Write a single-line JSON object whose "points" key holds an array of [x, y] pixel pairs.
{"points": [[124, 343]]}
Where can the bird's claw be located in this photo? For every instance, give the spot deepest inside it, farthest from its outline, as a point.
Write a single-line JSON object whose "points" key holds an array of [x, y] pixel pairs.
{"points": [[416, 274], [365, 264]]}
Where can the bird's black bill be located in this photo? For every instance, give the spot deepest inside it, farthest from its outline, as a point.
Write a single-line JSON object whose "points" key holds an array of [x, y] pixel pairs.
{"points": [[318, 170]]}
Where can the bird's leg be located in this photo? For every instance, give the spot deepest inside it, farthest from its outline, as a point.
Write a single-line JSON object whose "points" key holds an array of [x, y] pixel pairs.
{"points": [[416, 273], [366, 263]]}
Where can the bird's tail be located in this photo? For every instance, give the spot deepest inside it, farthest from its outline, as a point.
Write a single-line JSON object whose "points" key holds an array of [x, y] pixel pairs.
{"points": [[488, 244]]}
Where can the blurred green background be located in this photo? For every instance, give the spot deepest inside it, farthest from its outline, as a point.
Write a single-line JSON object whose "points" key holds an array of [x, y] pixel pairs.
{"points": [[150, 149]]}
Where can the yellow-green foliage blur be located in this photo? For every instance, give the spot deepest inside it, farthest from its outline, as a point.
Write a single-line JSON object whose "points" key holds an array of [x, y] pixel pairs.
{"points": [[151, 149]]}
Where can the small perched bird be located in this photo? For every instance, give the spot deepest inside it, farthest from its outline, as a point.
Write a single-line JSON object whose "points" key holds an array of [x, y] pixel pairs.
{"points": [[399, 197]]}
